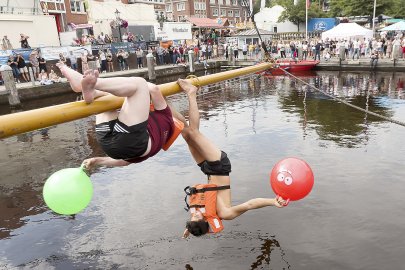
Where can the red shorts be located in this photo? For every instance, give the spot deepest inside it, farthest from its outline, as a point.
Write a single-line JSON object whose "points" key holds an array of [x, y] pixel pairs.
{"points": [[160, 128]]}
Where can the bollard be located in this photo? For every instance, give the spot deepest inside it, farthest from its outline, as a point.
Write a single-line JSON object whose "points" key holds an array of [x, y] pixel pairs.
{"points": [[299, 54], [9, 83], [230, 53], [191, 60], [31, 72], [150, 62], [395, 52], [92, 65], [342, 55]]}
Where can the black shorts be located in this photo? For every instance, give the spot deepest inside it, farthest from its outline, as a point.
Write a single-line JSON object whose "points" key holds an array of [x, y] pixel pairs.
{"points": [[122, 142], [218, 167]]}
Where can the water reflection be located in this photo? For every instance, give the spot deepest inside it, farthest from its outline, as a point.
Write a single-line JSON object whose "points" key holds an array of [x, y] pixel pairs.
{"points": [[335, 121], [269, 246]]}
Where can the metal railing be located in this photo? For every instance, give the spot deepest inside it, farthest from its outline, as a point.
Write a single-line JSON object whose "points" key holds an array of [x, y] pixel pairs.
{"points": [[20, 11]]}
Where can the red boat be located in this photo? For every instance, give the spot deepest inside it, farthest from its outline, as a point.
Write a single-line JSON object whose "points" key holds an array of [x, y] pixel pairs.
{"points": [[292, 66]]}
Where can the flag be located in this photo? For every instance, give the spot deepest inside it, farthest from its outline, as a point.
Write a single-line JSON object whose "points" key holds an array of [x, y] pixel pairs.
{"points": [[308, 3]]}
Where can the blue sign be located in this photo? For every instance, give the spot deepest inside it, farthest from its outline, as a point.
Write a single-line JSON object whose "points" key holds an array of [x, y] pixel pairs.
{"points": [[321, 24]]}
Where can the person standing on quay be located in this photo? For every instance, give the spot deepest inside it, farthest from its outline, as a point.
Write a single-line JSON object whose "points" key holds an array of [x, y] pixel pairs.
{"points": [[103, 60], [34, 63], [13, 64], [42, 63], [22, 66], [109, 58], [139, 56], [73, 60]]}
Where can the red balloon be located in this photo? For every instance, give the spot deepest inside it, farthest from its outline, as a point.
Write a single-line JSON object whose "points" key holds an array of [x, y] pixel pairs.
{"points": [[292, 179]]}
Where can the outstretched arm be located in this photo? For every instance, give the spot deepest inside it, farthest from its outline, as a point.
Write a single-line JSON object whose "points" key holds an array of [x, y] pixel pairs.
{"points": [[237, 210], [104, 161]]}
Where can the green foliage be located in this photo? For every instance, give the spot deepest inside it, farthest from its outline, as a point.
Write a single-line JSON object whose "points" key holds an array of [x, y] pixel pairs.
{"points": [[343, 8], [296, 13], [397, 9]]}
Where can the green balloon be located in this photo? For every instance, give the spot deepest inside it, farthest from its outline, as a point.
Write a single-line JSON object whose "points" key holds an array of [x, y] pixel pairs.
{"points": [[68, 191]]}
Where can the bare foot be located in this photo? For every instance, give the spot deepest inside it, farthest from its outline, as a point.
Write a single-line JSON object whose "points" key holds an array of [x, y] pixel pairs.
{"points": [[72, 76], [187, 87], [88, 83]]}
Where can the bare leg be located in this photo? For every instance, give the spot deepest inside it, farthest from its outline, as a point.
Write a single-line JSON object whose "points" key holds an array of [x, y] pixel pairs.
{"points": [[75, 80], [136, 105], [158, 100], [200, 147], [74, 77], [88, 82]]}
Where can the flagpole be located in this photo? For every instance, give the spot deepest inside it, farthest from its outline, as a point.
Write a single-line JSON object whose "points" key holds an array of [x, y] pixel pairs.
{"points": [[306, 20], [375, 4]]}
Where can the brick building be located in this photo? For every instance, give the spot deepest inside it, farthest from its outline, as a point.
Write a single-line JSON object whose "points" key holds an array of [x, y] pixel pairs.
{"points": [[66, 12], [180, 10]]}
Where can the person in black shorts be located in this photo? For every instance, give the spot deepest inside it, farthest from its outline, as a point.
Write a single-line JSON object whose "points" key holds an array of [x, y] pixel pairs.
{"points": [[216, 165], [132, 134]]}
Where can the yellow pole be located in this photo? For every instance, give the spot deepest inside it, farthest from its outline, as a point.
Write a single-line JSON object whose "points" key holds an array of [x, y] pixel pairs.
{"points": [[17, 123]]}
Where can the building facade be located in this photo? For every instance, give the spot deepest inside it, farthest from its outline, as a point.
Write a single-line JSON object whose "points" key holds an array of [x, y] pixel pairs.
{"points": [[180, 10], [158, 5]]}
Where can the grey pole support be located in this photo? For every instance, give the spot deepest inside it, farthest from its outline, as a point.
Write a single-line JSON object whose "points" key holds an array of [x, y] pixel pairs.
{"points": [[395, 52], [92, 65], [9, 83], [191, 60], [342, 55], [32, 75], [150, 62], [230, 53], [299, 54]]}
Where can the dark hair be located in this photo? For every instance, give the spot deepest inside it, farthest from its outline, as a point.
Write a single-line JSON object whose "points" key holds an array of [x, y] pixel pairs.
{"points": [[197, 228]]}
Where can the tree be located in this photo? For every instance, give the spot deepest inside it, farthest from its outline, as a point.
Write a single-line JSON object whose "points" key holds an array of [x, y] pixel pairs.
{"points": [[343, 8], [397, 9], [296, 13]]}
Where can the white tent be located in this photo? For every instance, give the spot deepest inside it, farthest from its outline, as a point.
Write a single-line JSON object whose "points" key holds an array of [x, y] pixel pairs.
{"points": [[399, 26], [347, 30]]}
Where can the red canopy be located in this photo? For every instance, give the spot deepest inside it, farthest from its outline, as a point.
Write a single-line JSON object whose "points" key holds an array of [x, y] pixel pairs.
{"points": [[209, 23]]}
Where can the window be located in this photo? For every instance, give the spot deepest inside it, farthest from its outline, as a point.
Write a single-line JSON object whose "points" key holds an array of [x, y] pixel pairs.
{"points": [[228, 2], [212, 2], [245, 13], [199, 6], [237, 13], [223, 12], [76, 6], [168, 8], [181, 6], [221, 2], [230, 13], [234, 2], [215, 12]]}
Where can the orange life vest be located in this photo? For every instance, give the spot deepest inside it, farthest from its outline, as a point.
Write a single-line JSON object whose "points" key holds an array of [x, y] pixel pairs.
{"points": [[203, 197]]}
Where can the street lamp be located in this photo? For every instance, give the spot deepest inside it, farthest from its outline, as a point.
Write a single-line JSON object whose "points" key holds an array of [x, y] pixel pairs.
{"points": [[118, 19]]}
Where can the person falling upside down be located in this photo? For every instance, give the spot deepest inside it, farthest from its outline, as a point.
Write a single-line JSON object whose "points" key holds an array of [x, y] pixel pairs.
{"points": [[210, 203], [133, 134]]}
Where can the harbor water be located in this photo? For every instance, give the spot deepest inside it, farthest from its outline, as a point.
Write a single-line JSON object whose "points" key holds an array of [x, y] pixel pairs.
{"points": [[352, 219]]}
